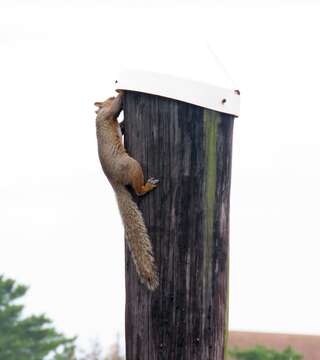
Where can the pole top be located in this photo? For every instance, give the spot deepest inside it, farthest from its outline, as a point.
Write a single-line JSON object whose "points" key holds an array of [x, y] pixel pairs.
{"points": [[201, 93]]}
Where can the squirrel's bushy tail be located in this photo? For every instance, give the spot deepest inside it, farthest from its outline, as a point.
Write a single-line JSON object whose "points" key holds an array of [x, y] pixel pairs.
{"points": [[137, 238]]}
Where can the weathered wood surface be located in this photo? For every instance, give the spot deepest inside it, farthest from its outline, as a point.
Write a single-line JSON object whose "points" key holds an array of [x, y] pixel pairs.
{"points": [[189, 149]]}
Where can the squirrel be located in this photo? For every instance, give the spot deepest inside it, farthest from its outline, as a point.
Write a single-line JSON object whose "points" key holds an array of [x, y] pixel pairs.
{"points": [[121, 171]]}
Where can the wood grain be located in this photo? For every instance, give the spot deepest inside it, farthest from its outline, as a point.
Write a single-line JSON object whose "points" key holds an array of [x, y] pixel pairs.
{"points": [[188, 149]]}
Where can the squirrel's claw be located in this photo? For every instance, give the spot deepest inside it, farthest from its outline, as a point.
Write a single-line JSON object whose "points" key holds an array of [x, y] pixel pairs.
{"points": [[153, 181]]}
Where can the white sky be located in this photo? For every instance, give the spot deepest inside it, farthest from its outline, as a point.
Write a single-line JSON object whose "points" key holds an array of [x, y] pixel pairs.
{"points": [[60, 229]]}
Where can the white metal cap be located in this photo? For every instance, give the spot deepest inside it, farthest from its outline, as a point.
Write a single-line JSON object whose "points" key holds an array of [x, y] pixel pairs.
{"points": [[197, 92], [180, 65]]}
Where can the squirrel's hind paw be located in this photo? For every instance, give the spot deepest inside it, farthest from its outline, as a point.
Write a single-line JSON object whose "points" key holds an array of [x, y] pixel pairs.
{"points": [[153, 181]]}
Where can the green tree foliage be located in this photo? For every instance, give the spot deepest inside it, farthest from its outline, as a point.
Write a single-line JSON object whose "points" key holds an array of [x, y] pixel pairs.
{"points": [[262, 353], [28, 338]]}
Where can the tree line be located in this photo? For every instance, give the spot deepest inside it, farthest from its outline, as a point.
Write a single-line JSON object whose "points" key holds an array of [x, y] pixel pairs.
{"points": [[35, 337]]}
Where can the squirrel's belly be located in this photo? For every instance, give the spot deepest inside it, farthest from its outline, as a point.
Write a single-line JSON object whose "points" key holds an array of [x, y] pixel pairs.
{"points": [[117, 169]]}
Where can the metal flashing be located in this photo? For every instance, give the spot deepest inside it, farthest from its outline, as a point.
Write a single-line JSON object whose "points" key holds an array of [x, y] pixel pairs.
{"points": [[207, 95]]}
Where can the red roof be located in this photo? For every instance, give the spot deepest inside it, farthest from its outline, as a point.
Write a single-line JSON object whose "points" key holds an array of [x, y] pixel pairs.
{"points": [[307, 345]]}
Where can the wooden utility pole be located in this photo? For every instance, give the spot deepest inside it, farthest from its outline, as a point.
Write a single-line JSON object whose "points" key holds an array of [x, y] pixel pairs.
{"points": [[188, 148]]}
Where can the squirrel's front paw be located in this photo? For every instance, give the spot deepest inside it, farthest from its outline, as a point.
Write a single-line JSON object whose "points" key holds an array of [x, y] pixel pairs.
{"points": [[120, 92]]}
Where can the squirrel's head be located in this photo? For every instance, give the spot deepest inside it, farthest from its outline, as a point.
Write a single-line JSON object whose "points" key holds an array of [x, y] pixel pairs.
{"points": [[104, 105], [110, 108]]}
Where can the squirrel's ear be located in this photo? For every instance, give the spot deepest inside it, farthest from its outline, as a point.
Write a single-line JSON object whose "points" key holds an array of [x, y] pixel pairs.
{"points": [[98, 103]]}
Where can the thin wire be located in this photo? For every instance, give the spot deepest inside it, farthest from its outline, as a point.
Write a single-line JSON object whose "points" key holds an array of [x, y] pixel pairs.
{"points": [[216, 58]]}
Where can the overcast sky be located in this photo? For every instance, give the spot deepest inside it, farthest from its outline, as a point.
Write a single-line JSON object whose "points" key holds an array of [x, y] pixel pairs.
{"points": [[60, 229]]}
